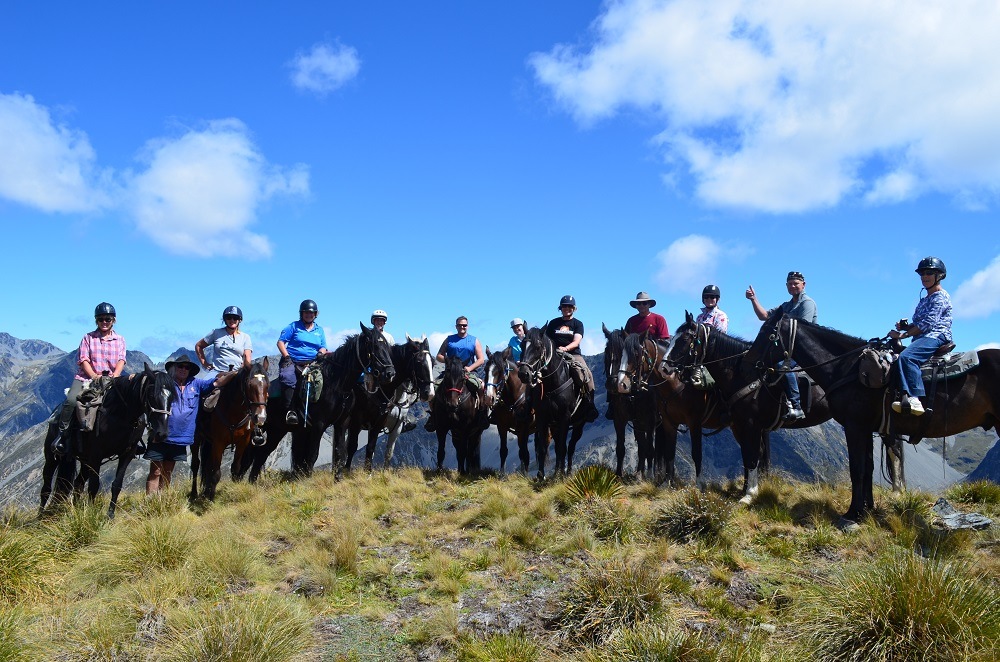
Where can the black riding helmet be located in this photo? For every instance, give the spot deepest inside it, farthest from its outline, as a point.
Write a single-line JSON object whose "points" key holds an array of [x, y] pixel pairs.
{"points": [[567, 300], [104, 308], [308, 305], [933, 263], [711, 291], [233, 311]]}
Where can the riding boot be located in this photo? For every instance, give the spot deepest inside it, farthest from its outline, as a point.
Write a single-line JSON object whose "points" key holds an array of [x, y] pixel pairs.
{"points": [[590, 413], [287, 395]]}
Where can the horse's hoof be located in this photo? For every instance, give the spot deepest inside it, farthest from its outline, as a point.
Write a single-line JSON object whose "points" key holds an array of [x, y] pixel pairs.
{"points": [[747, 499], [848, 525]]}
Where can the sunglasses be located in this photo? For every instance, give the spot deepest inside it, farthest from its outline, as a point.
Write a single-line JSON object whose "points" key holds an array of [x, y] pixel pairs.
{"points": [[105, 320], [926, 272], [462, 326], [229, 318], [710, 297]]}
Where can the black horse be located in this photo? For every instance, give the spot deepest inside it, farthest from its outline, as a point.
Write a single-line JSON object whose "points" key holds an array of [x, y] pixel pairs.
{"points": [[832, 358], [117, 430], [556, 399], [507, 395], [633, 401], [460, 410], [386, 408], [237, 420], [366, 355]]}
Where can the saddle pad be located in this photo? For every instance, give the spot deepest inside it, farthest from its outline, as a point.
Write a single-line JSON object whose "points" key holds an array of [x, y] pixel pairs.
{"points": [[950, 365]]}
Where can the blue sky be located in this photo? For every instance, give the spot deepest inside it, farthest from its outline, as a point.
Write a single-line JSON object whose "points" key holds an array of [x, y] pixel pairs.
{"points": [[486, 158]]}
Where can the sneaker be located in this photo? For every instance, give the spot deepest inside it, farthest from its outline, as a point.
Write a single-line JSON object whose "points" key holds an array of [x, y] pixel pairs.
{"points": [[291, 418], [408, 425], [910, 405], [793, 414]]}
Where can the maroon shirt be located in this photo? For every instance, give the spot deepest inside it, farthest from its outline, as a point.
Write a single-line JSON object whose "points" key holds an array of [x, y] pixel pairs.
{"points": [[656, 324]]}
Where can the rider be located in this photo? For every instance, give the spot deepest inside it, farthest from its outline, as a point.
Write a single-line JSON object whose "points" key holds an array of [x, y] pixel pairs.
{"points": [[930, 329], [516, 341], [299, 343], [643, 321], [231, 348], [379, 318], [164, 454], [711, 314], [566, 333], [102, 350], [466, 348], [800, 306]]}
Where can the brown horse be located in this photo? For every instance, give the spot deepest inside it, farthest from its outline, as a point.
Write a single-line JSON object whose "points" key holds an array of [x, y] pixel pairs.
{"points": [[831, 358], [634, 402], [237, 420], [459, 410], [508, 397]]}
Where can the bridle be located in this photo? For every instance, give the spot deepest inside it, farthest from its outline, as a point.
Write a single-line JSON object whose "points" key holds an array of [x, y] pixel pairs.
{"points": [[373, 363]]}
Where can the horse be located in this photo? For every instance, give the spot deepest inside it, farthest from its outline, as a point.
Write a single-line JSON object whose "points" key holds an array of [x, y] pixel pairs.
{"points": [[556, 400], [237, 420], [831, 358], [366, 354], [755, 404], [508, 398], [116, 433], [633, 402], [386, 408], [458, 409]]}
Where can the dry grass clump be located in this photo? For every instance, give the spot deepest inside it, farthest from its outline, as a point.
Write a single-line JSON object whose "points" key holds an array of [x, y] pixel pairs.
{"points": [[506, 647], [983, 492], [910, 520], [901, 607], [611, 597], [695, 515], [14, 646], [592, 482], [615, 521], [655, 642], [128, 553], [77, 526]]}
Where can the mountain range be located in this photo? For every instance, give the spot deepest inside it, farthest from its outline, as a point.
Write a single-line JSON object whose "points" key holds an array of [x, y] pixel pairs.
{"points": [[34, 375]]}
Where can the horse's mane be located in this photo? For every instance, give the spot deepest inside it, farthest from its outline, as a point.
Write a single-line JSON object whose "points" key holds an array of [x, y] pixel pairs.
{"points": [[838, 336], [399, 354], [633, 344], [336, 364], [616, 343], [454, 373]]}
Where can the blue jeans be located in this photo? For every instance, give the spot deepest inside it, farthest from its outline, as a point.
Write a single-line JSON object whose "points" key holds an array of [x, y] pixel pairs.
{"points": [[911, 359], [791, 383]]}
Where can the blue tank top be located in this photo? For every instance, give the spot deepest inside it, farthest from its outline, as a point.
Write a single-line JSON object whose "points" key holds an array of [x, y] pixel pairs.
{"points": [[463, 348]]}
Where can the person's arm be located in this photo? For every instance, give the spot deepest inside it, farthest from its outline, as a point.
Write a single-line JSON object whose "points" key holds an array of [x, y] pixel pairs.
{"points": [[247, 358], [664, 330], [88, 369], [223, 378], [117, 372], [441, 352], [282, 349], [758, 309], [199, 350], [577, 337], [286, 334], [722, 322], [480, 358], [809, 311]]}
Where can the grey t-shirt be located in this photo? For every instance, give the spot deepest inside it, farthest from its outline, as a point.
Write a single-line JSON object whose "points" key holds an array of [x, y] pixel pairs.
{"points": [[803, 309], [227, 350]]}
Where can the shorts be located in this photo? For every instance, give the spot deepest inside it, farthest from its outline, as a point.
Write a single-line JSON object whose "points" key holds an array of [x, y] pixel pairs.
{"points": [[164, 452]]}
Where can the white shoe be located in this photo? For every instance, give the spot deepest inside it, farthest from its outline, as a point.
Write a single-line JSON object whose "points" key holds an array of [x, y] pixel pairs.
{"points": [[912, 404]]}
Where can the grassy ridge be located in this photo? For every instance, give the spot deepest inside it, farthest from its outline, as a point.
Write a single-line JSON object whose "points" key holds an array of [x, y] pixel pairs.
{"points": [[404, 564]]}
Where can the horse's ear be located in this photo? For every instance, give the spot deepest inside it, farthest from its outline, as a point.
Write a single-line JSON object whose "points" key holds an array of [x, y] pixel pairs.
{"points": [[423, 337], [146, 368], [489, 354], [408, 338], [688, 318], [607, 334], [264, 364], [364, 329]]}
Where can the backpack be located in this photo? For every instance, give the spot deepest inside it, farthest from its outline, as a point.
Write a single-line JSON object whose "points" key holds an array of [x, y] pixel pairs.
{"points": [[873, 367]]}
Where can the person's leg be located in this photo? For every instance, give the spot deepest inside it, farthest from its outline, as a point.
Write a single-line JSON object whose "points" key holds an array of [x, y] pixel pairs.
{"points": [[289, 378], [153, 479], [792, 391], [66, 416], [166, 469], [912, 384]]}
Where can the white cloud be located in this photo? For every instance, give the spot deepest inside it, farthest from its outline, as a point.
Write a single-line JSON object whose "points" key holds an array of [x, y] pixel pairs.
{"points": [[201, 192], [786, 108], [980, 295], [335, 339], [324, 68], [47, 165], [688, 264]]}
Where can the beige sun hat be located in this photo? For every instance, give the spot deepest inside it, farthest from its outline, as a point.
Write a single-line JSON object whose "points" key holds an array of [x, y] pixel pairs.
{"points": [[642, 297]]}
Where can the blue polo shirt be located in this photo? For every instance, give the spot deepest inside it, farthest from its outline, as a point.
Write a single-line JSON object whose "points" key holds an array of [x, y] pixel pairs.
{"points": [[180, 425], [303, 345]]}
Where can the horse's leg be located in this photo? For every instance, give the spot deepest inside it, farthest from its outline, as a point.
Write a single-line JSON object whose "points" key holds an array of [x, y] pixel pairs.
{"points": [[765, 453], [571, 448], [442, 435], [341, 459], [694, 429], [390, 443], [620, 422], [894, 461], [665, 440], [116, 486], [195, 465], [351, 446], [749, 440], [859, 444], [502, 431], [522, 449], [460, 440], [559, 434], [48, 469], [369, 447]]}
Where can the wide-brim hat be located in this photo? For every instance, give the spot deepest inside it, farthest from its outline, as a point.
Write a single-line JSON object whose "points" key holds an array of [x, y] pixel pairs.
{"points": [[193, 367], [642, 297]]}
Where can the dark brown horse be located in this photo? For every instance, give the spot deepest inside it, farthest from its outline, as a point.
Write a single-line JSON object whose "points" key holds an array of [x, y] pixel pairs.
{"points": [[508, 397], [237, 420], [460, 410], [625, 375], [831, 358]]}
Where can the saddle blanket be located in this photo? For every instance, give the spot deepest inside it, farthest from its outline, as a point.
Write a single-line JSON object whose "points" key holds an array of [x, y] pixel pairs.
{"points": [[950, 365]]}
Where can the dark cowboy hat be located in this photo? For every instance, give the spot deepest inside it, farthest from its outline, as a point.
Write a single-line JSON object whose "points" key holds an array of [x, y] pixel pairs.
{"points": [[192, 367], [642, 297]]}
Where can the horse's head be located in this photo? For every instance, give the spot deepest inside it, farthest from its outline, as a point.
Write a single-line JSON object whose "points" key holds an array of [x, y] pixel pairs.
{"points": [[617, 370], [255, 386], [375, 357], [453, 382], [537, 351], [768, 348], [682, 349], [421, 366], [157, 394]]}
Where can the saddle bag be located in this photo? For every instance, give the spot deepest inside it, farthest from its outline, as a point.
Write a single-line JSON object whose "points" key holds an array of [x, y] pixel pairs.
{"points": [[313, 376], [701, 378], [474, 381], [874, 367], [89, 403], [211, 400]]}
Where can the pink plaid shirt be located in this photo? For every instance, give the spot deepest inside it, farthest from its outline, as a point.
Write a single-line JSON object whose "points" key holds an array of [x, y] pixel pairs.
{"points": [[103, 353]]}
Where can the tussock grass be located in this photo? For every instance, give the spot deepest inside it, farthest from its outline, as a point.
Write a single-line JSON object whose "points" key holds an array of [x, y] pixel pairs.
{"points": [[983, 492], [610, 520], [444, 574], [695, 515], [128, 553], [249, 628], [901, 607], [21, 561], [14, 646], [610, 597], [78, 526], [438, 627], [226, 560], [590, 482], [509, 647]]}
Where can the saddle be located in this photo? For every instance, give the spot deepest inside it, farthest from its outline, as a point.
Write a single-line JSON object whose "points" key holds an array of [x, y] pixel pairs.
{"points": [[946, 364], [89, 403]]}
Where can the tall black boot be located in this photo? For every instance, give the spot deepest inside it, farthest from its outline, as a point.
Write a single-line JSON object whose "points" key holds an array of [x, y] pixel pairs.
{"points": [[590, 413], [287, 395]]}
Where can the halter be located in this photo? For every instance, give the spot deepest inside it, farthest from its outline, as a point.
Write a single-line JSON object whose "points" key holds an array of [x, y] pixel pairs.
{"points": [[376, 368], [252, 418]]}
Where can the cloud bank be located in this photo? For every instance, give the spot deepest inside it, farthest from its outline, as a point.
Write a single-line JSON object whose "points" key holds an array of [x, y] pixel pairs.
{"points": [[787, 108], [324, 68], [688, 264], [979, 296]]}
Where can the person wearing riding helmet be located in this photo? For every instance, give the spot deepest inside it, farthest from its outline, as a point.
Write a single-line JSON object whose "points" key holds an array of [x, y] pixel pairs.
{"points": [[516, 342], [231, 348], [163, 454], [930, 328], [566, 333], [299, 344], [800, 306], [379, 318], [711, 314], [101, 351], [469, 350]]}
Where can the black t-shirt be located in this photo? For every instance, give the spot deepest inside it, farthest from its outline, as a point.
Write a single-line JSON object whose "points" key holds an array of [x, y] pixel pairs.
{"points": [[562, 331]]}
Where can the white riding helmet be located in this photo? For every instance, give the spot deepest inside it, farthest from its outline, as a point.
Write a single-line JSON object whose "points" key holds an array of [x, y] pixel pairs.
{"points": [[378, 312], [517, 320]]}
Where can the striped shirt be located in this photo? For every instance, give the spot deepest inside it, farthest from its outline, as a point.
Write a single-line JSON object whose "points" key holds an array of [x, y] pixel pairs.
{"points": [[103, 353]]}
